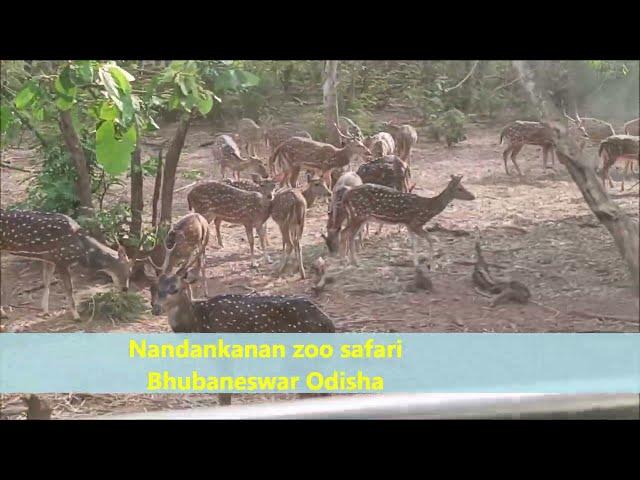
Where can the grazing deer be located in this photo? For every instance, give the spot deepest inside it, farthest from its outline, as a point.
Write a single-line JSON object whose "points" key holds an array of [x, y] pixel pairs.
{"points": [[520, 133], [220, 202], [614, 148], [632, 127], [380, 144], [227, 154], [405, 137], [250, 135], [321, 158], [383, 204], [288, 210], [336, 214], [58, 242]]}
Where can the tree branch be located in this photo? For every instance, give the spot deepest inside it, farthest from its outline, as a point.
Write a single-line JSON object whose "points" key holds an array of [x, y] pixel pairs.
{"points": [[465, 78]]}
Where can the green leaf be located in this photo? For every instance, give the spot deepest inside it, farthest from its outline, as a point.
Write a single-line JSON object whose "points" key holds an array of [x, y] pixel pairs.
{"points": [[226, 81], [127, 111], [64, 103], [108, 111], [26, 95], [110, 86], [180, 80], [247, 79], [205, 103], [65, 79], [38, 114], [84, 70], [6, 118], [122, 78], [112, 153]]}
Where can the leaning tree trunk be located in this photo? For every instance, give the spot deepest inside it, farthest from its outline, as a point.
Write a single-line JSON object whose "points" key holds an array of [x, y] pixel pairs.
{"points": [[622, 228], [137, 203], [330, 100], [170, 166], [157, 187], [83, 182]]}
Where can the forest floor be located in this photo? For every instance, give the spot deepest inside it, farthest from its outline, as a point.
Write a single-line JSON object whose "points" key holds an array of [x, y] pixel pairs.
{"points": [[536, 229]]}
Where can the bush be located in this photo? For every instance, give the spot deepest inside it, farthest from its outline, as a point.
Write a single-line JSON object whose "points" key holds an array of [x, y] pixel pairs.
{"points": [[114, 306], [450, 125]]}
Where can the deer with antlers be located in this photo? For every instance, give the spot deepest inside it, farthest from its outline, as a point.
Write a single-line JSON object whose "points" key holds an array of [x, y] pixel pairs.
{"points": [[383, 204], [614, 148], [218, 202], [596, 130], [251, 135], [321, 158], [405, 138], [58, 242], [632, 127], [227, 154]]}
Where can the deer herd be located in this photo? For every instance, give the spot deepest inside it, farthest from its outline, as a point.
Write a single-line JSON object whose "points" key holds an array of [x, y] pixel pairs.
{"points": [[379, 190]]}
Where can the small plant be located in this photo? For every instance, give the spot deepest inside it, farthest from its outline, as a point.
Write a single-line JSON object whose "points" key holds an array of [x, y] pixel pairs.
{"points": [[192, 174], [450, 125], [113, 223], [114, 306]]}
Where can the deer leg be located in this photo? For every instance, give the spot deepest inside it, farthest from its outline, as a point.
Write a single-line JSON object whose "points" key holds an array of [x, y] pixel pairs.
{"points": [[222, 170], [285, 251], [422, 233], [47, 275], [262, 235], [380, 228], [505, 157], [514, 154], [68, 285], [217, 221], [249, 230], [352, 230], [298, 249]]}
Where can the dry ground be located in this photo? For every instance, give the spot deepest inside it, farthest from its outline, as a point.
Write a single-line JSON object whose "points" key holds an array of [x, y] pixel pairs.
{"points": [[535, 229]]}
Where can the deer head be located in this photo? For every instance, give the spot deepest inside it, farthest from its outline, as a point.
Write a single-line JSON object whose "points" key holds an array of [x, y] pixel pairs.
{"points": [[169, 290], [459, 192], [356, 147]]}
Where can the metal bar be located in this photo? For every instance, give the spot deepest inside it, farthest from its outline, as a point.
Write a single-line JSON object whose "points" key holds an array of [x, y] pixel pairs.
{"points": [[416, 406]]}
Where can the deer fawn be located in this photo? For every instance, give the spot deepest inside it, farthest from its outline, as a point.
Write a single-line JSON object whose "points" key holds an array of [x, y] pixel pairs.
{"points": [[405, 137], [297, 153], [632, 127], [234, 313], [250, 135], [383, 204], [614, 148], [58, 241], [227, 154], [288, 210], [220, 202], [380, 144]]}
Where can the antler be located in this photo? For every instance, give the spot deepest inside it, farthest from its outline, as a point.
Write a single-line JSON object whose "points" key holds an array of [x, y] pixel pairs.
{"points": [[340, 133]]}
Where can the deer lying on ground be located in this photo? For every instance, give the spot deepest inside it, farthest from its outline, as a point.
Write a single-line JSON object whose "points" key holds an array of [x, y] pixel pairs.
{"points": [[251, 135], [58, 242], [218, 202], [520, 133], [614, 148], [288, 210], [380, 144], [632, 127], [227, 154], [320, 158], [405, 137], [382, 204], [234, 313]]}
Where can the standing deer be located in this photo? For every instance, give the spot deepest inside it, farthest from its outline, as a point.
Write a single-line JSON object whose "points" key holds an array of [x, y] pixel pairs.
{"points": [[250, 135], [58, 242], [220, 202], [288, 210], [596, 130], [336, 214], [614, 148], [520, 133], [276, 135], [405, 137], [321, 158], [227, 154], [375, 202], [233, 313], [632, 127], [380, 144]]}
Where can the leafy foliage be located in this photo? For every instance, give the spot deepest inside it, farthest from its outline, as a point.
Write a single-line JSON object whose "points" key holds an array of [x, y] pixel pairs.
{"points": [[114, 306]]}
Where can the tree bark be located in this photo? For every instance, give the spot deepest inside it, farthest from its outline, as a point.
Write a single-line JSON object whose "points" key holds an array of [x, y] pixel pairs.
{"points": [[137, 182], [170, 166], [83, 182], [157, 187], [622, 228], [330, 100]]}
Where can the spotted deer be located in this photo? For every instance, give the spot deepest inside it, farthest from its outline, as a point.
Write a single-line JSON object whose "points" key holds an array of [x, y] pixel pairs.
{"points": [[288, 210], [320, 158], [58, 242], [251, 135], [596, 130], [336, 214], [227, 154], [517, 134], [380, 144], [276, 135], [632, 127], [615, 148], [218, 202], [405, 138], [383, 204], [234, 313]]}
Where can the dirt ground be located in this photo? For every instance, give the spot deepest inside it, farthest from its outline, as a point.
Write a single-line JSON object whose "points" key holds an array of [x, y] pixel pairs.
{"points": [[536, 229]]}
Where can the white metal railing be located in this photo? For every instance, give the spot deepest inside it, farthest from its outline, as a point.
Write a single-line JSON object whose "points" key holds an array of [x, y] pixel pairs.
{"points": [[416, 406]]}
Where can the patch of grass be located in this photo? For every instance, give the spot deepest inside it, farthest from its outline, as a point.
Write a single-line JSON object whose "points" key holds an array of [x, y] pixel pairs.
{"points": [[192, 174], [114, 306]]}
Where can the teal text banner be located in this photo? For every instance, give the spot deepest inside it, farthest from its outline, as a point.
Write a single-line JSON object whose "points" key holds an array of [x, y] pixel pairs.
{"points": [[307, 363]]}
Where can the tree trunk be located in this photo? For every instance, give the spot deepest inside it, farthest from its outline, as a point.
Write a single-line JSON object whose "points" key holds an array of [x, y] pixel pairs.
{"points": [[170, 166], [330, 100], [137, 204], [83, 182], [157, 187], [622, 228]]}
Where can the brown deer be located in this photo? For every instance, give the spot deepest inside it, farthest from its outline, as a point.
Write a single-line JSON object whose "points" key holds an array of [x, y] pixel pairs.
{"points": [[58, 242], [276, 135], [383, 204], [405, 137], [380, 144], [632, 127], [251, 135], [520, 133], [595, 129], [321, 158], [218, 202], [614, 148], [233, 313], [185, 244], [336, 214], [288, 210], [227, 154]]}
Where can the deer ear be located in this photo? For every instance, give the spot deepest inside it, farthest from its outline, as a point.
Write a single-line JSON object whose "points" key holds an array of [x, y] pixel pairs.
{"points": [[122, 254]]}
